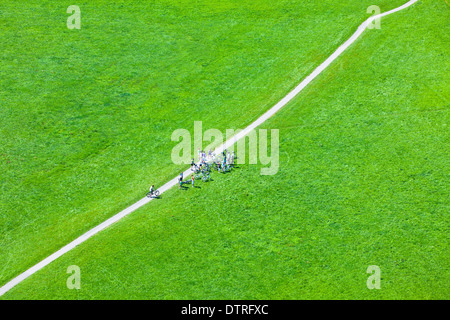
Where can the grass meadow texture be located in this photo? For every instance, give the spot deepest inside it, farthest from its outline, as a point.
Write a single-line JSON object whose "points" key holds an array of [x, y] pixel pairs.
{"points": [[86, 115], [363, 181]]}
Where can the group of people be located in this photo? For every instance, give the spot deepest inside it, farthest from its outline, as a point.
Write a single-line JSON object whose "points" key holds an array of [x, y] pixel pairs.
{"points": [[205, 160], [180, 180], [203, 157], [210, 157]]}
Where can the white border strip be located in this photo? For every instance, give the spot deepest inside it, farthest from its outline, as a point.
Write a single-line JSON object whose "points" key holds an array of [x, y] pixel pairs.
{"points": [[219, 149]]}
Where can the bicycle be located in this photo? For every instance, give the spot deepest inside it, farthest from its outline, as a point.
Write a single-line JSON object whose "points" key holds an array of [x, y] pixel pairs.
{"points": [[213, 166], [198, 176], [206, 177], [154, 194]]}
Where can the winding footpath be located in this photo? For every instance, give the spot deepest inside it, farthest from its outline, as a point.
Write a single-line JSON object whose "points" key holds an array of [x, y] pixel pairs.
{"points": [[227, 144]]}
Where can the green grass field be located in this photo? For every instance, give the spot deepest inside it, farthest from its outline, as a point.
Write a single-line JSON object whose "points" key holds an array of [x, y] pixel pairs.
{"points": [[86, 118]]}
